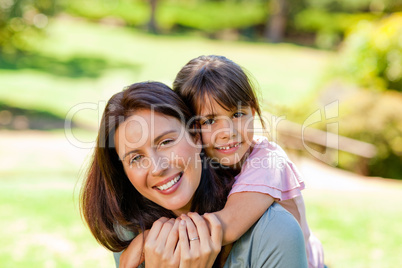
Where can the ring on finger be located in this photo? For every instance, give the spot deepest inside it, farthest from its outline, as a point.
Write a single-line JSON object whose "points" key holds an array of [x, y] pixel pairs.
{"points": [[195, 238]]}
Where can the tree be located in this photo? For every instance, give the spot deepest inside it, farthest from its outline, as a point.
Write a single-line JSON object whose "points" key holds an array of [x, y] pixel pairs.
{"points": [[276, 23], [152, 25], [21, 19]]}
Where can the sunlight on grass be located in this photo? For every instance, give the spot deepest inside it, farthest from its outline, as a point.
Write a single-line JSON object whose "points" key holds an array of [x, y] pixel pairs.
{"points": [[356, 229]]}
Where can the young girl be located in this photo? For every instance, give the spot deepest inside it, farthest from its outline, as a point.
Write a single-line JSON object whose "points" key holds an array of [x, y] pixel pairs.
{"points": [[219, 92]]}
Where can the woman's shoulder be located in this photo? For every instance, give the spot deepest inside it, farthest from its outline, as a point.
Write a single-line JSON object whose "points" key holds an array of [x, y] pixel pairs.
{"points": [[123, 233], [275, 240]]}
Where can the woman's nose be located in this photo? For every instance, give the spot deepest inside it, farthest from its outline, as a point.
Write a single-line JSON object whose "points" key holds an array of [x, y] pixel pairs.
{"points": [[159, 164]]}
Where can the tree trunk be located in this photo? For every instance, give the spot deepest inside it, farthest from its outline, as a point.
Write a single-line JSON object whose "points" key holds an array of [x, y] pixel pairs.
{"points": [[276, 24], [152, 27]]}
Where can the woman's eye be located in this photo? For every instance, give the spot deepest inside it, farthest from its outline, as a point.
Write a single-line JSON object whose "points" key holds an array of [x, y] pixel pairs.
{"points": [[209, 121], [165, 142], [136, 159], [238, 114]]}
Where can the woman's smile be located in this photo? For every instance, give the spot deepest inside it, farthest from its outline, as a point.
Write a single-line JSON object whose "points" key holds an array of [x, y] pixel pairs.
{"points": [[169, 183], [160, 162]]}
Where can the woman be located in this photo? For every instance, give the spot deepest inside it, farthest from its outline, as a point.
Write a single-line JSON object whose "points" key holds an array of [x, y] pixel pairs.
{"points": [[148, 164]]}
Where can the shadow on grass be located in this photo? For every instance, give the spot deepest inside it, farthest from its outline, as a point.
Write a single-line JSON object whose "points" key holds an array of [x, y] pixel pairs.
{"points": [[77, 66], [16, 118]]}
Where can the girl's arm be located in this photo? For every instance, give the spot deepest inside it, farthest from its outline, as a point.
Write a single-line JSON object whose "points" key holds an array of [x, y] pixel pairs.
{"points": [[241, 211], [133, 255]]}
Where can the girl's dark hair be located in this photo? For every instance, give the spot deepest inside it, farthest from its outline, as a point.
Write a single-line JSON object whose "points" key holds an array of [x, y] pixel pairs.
{"points": [[108, 199], [215, 78]]}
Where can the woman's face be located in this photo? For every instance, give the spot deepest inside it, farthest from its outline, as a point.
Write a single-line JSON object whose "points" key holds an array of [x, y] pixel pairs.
{"points": [[160, 159]]}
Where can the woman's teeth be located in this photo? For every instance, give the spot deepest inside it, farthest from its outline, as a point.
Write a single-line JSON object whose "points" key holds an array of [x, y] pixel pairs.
{"points": [[170, 183], [228, 147]]}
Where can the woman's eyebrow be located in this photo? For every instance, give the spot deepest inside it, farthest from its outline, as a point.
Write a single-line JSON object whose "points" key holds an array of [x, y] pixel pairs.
{"points": [[164, 133], [130, 152], [155, 141]]}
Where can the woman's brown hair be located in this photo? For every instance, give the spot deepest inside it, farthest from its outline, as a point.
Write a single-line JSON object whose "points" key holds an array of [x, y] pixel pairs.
{"points": [[108, 199]]}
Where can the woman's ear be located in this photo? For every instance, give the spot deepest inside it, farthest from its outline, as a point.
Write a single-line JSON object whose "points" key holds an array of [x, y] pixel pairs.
{"points": [[253, 111]]}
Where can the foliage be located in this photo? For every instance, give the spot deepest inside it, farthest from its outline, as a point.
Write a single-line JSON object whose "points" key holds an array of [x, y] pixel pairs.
{"points": [[329, 20], [371, 55], [329, 27], [21, 21], [208, 16], [375, 118], [352, 6]]}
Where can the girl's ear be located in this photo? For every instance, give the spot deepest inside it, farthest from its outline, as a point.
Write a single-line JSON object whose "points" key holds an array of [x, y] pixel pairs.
{"points": [[252, 111]]}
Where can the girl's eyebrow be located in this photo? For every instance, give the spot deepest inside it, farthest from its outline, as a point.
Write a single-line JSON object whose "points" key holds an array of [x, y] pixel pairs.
{"points": [[155, 141], [208, 115]]}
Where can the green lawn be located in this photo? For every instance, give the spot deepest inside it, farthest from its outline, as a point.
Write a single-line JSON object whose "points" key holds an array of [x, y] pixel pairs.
{"points": [[80, 63], [360, 230], [41, 175]]}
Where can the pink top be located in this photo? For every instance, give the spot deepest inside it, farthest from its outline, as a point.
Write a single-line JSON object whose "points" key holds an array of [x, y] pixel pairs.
{"points": [[268, 170]]}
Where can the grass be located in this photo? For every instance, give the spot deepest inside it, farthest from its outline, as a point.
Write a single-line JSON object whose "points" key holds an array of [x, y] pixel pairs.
{"points": [[41, 226], [356, 229]]}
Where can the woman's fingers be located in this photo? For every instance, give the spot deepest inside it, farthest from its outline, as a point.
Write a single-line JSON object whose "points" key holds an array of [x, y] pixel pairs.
{"points": [[173, 236], [215, 227], [192, 232], [202, 228], [159, 250], [185, 257], [155, 229], [165, 231]]}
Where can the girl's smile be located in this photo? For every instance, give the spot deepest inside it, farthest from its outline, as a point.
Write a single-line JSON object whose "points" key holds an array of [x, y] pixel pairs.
{"points": [[227, 134], [229, 148]]}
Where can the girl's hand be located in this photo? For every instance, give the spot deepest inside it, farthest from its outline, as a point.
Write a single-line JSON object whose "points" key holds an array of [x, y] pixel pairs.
{"points": [[132, 256], [161, 243], [199, 245]]}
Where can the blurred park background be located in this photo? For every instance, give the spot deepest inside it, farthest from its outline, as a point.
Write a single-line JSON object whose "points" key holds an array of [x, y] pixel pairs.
{"points": [[330, 69]]}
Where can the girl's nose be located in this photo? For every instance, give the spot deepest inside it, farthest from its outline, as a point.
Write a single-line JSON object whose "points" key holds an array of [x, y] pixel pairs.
{"points": [[226, 129]]}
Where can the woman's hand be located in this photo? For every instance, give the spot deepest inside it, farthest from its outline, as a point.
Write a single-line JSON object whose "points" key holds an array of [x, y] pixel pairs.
{"points": [[200, 244], [160, 245]]}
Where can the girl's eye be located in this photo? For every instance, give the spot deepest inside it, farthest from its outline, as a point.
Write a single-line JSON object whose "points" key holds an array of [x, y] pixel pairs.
{"points": [[238, 114], [209, 121], [165, 142]]}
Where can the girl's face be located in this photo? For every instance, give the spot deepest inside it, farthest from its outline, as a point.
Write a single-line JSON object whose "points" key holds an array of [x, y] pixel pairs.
{"points": [[160, 159], [227, 135]]}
